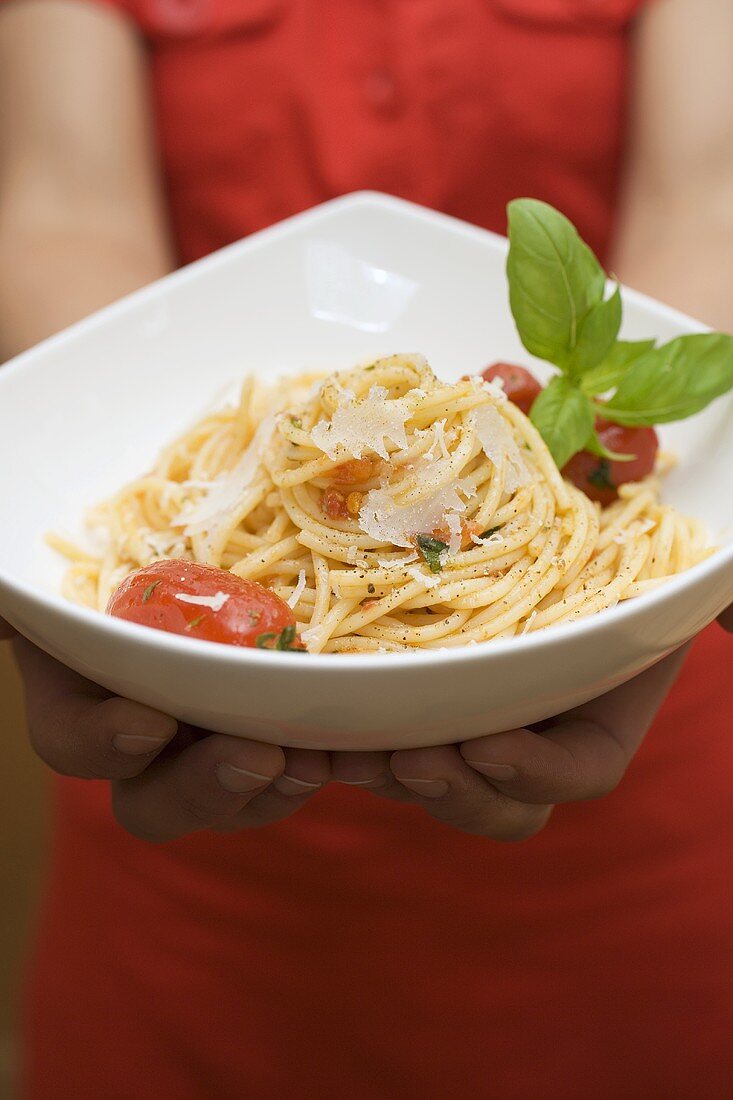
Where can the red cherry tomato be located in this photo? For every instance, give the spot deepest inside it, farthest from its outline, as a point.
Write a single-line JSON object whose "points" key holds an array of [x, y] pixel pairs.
{"points": [[251, 615], [599, 478], [519, 384]]}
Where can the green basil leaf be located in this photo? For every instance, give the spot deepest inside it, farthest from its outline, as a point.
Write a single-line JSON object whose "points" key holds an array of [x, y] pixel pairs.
{"points": [[596, 446], [609, 373], [554, 280], [674, 381], [597, 334], [563, 415], [431, 550]]}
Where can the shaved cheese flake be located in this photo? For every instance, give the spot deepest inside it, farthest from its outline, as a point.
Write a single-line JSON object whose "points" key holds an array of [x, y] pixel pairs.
{"points": [[439, 441], [225, 492], [500, 446], [494, 387], [298, 590], [383, 519], [455, 532], [215, 602], [165, 543], [397, 563], [428, 579], [359, 425]]}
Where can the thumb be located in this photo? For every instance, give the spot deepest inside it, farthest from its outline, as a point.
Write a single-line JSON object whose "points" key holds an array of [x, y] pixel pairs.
{"points": [[726, 619]]}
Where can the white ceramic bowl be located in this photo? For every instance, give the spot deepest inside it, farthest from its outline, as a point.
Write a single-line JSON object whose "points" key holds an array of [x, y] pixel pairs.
{"points": [[364, 275]]}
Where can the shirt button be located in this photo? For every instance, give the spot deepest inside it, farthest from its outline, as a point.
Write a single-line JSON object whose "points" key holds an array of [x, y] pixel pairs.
{"points": [[381, 89]]}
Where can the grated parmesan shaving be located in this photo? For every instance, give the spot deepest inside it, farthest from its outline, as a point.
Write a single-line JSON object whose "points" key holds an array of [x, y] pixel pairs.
{"points": [[500, 446], [298, 591], [215, 602], [386, 521], [225, 492], [428, 579], [439, 440], [165, 543], [395, 563], [453, 523], [359, 425]]}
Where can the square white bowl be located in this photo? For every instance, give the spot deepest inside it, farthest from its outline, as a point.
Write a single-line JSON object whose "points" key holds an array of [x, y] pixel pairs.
{"points": [[361, 276]]}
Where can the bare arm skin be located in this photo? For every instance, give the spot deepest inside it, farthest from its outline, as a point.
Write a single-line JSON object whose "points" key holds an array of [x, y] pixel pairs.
{"points": [[81, 217]]}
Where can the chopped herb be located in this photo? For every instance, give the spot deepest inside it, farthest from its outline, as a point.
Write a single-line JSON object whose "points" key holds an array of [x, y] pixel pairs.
{"points": [[489, 532], [195, 622], [601, 477], [296, 421], [284, 640], [371, 589], [371, 367], [431, 549], [149, 591]]}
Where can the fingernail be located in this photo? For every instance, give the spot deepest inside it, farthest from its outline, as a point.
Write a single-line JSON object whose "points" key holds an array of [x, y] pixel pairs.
{"points": [[375, 781], [494, 771], [289, 785], [137, 744], [426, 788], [238, 780]]}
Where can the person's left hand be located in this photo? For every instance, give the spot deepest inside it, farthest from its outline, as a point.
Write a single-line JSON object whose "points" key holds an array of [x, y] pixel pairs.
{"points": [[504, 786]]}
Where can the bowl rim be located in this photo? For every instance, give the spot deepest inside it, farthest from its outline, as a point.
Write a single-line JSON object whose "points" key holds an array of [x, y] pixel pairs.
{"points": [[354, 663]]}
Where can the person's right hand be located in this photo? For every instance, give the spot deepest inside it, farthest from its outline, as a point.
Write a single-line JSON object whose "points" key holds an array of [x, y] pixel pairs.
{"points": [[168, 779]]}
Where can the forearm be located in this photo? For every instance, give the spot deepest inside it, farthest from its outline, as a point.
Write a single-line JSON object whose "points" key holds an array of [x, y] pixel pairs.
{"points": [[82, 216], [678, 249], [51, 276]]}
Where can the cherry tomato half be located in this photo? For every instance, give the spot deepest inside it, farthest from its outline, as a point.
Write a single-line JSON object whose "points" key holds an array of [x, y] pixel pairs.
{"points": [[519, 384], [599, 478], [200, 601]]}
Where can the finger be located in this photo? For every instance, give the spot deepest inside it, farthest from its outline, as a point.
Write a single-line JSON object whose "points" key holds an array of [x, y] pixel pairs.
{"points": [[305, 773], [452, 792], [362, 769], [202, 787], [726, 619], [6, 630], [585, 753], [79, 729]]}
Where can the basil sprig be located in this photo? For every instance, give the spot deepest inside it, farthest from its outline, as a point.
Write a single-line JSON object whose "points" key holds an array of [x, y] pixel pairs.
{"points": [[557, 288], [557, 294], [615, 365], [674, 381], [563, 415]]}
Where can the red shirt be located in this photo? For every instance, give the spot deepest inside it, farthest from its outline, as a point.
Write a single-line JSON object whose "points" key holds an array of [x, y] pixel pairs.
{"points": [[360, 949]]}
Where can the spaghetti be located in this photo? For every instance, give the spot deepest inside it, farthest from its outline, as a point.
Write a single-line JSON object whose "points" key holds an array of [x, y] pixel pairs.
{"points": [[393, 511]]}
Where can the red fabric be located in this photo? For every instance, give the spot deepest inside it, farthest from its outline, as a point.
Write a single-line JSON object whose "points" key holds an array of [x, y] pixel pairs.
{"points": [[360, 949]]}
